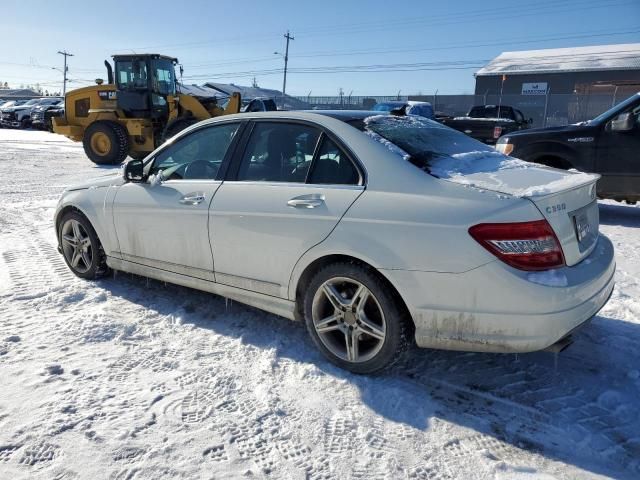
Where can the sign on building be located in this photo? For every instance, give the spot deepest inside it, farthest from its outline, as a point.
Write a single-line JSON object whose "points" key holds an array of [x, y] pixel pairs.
{"points": [[539, 88]]}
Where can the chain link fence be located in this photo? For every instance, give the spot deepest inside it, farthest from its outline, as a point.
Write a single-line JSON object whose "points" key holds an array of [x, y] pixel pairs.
{"points": [[545, 110]]}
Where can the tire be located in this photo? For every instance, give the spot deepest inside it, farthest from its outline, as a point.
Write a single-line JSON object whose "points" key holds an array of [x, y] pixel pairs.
{"points": [[106, 143], [176, 126], [89, 260], [381, 336], [25, 123]]}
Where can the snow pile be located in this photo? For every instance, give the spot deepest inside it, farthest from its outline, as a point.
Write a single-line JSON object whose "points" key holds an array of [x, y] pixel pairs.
{"points": [[463, 164]]}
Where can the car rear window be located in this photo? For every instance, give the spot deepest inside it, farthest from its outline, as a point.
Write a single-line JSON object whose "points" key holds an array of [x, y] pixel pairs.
{"points": [[431, 146]]}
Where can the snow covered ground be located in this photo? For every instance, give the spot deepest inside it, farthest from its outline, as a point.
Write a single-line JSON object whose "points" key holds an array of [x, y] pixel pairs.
{"points": [[129, 378]]}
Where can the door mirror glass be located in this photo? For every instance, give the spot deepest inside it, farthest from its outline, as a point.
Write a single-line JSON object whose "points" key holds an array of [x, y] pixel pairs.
{"points": [[134, 171], [623, 122]]}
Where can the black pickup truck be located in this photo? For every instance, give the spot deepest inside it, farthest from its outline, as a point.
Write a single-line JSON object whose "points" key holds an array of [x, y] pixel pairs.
{"points": [[488, 122], [609, 145]]}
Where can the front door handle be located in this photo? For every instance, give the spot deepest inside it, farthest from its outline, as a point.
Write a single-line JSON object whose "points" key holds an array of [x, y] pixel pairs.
{"points": [[193, 199], [306, 201]]}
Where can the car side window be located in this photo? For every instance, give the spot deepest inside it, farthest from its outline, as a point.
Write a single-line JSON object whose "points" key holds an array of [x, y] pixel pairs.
{"points": [[278, 152], [333, 167], [197, 156]]}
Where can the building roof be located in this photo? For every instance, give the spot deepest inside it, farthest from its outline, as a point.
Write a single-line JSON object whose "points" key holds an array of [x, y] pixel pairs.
{"points": [[574, 59], [18, 92], [249, 93]]}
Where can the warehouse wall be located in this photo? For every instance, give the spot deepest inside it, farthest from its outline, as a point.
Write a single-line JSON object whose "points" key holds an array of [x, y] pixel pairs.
{"points": [[562, 82]]}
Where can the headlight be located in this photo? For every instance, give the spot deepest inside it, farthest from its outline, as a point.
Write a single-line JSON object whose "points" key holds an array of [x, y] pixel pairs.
{"points": [[505, 148]]}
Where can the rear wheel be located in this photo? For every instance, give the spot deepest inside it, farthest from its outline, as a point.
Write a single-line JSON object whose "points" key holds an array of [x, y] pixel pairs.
{"points": [[106, 143], [354, 318]]}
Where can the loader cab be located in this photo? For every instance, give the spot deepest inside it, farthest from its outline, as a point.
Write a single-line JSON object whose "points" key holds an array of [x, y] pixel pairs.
{"points": [[143, 83]]}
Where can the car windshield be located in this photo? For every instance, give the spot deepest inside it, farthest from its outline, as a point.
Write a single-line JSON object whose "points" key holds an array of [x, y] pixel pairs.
{"points": [[32, 101], [424, 142], [603, 117]]}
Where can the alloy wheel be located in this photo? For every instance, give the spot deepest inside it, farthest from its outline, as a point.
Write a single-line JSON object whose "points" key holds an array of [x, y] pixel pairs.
{"points": [[76, 246], [348, 319]]}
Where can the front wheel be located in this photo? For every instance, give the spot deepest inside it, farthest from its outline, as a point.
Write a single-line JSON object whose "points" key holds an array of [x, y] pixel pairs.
{"points": [[106, 143], [81, 247], [354, 318]]}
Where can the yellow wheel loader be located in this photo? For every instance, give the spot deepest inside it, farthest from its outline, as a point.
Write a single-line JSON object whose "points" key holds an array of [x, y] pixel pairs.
{"points": [[137, 110]]}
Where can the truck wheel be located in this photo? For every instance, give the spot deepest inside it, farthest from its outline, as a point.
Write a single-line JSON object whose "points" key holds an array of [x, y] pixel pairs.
{"points": [[176, 126], [106, 143]]}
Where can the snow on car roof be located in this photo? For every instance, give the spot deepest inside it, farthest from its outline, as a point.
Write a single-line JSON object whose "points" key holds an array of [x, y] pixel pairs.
{"points": [[574, 59]]}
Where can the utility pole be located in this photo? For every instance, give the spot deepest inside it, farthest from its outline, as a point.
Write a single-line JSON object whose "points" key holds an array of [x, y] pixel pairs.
{"points": [[286, 60], [64, 71]]}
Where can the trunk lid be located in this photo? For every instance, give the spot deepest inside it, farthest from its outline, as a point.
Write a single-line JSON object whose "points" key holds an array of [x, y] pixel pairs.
{"points": [[567, 200]]}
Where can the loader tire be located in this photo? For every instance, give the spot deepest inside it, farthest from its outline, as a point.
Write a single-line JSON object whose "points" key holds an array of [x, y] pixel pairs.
{"points": [[176, 126], [106, 143]]}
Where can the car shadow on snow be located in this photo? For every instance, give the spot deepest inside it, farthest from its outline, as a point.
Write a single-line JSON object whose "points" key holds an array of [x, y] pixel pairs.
{"points": [[579, 407], [619, 215]]}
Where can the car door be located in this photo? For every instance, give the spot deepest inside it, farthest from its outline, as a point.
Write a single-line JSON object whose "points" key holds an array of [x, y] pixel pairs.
{"points": [[163, 223], [291, 185], [618, 159]]}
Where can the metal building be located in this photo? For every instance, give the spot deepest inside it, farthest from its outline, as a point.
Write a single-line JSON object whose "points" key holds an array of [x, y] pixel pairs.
{"points": [[559, 85]]}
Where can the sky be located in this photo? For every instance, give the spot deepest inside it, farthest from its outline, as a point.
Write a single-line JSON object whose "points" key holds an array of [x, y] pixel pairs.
{"points": [[362, 48]]}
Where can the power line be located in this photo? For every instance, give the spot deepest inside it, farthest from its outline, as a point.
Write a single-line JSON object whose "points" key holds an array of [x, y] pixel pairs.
{"points": [[424, 66], [515, 41], [424, 21]]}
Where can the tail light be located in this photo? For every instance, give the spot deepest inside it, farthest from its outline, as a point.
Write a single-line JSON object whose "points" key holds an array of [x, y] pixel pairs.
{"points": [[497, 131], [523, 245]]}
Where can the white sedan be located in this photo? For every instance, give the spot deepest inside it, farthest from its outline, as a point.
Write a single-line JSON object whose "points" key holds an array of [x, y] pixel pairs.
{"points": [[378, 231]]}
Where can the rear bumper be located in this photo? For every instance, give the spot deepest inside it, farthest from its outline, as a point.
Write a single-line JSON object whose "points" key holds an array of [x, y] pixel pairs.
{"points": [[495, 308]]}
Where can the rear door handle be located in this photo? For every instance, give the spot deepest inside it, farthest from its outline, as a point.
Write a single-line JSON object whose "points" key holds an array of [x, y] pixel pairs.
{"points": [[306, 201], [193, 199]]}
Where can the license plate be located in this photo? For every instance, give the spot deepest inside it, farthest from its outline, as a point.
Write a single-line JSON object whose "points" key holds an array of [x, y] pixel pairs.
{"points": [[581, 225]]}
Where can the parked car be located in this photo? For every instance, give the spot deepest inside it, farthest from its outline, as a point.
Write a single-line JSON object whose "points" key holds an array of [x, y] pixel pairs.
{"points": [[55, 111], [19, 116], [609, 145], [7, 106], [488, 122], [38, 113], [368, 227], [410, 107]]}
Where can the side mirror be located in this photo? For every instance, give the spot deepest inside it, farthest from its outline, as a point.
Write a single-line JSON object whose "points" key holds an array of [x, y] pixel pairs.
{"points": [[134, 171], [530, 121], [623, 122]]}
